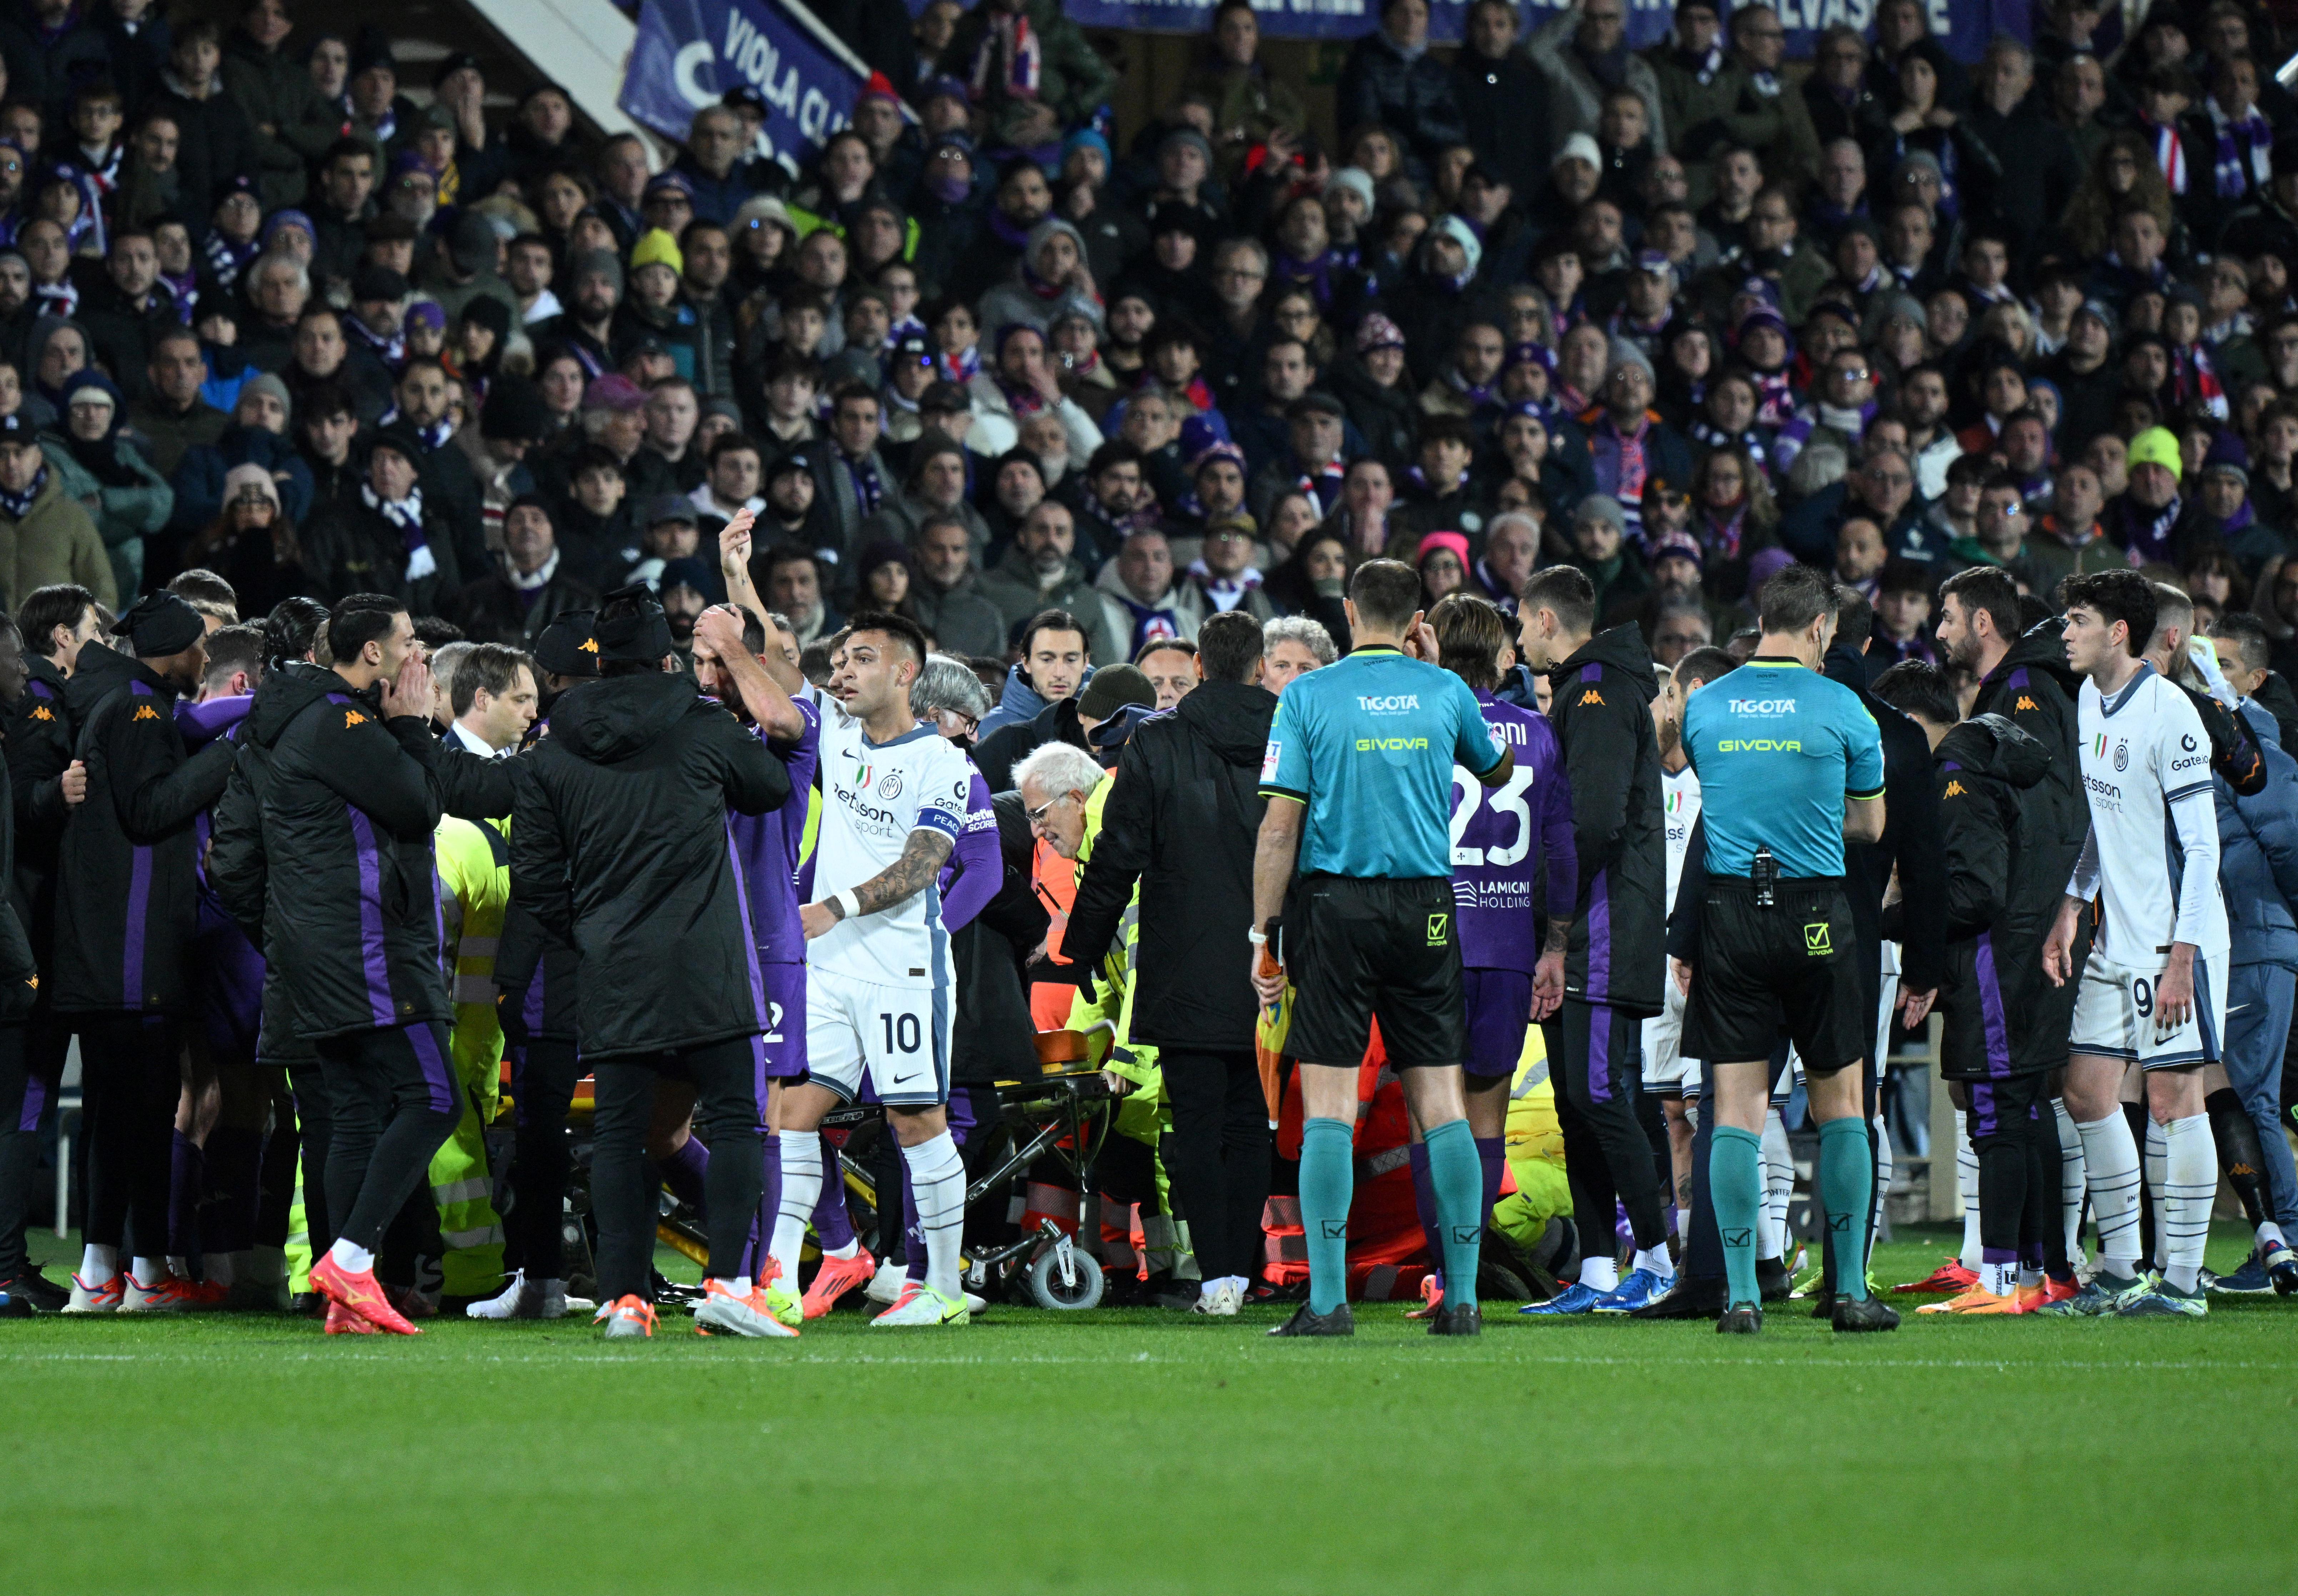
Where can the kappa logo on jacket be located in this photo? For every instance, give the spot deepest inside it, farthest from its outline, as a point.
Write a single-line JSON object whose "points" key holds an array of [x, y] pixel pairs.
{"points": [[41, 713], [2025, 703], [1954, 790], [1591, 697], [144, 712], [352, 717]]}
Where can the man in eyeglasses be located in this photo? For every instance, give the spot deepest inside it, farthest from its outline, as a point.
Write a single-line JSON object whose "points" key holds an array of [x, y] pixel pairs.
{"points": [[1835, 95], [2000, 537], [1840, 412]]}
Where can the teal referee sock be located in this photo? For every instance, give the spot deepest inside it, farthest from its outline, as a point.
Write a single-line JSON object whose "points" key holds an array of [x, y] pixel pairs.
{"points": [[1328, 1178], [1735, 1185], [1457, 1174], [1846, 1176]]}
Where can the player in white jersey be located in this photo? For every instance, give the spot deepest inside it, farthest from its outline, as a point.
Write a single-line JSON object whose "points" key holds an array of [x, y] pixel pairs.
{"points": [[2154, 990], [879, 997], [1667, 1074]]}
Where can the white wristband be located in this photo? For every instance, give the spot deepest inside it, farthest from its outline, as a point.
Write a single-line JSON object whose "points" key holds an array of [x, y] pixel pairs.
{"points": [[1258, 938], [849, 907]]}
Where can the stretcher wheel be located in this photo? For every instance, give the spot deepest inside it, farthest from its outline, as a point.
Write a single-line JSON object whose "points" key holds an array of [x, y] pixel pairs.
{"points": [[1082, 1291]]}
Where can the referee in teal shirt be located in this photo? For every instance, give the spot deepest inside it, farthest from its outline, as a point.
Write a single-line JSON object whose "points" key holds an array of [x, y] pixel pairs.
{"points": [[1364, 751], [1790, 765]]}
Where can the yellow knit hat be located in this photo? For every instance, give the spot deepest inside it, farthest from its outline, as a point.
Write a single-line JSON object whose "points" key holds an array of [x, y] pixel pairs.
{"points": [[2157, 446], [657, 247]]}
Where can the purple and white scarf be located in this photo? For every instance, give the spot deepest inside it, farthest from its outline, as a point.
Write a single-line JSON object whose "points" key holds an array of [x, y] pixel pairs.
{"points": [[406, 515], [2245, 151]]}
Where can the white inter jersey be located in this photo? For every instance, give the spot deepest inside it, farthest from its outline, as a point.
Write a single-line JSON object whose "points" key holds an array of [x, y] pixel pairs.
{"points": [[1680, 801], [874, 796], [2153, 846]]}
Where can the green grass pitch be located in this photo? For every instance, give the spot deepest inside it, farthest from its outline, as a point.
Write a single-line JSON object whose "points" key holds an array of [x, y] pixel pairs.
{"points": [[1145, 1452]]}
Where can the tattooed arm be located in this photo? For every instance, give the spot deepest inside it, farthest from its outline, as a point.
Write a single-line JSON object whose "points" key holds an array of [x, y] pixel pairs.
{"points": [[923, 857]]}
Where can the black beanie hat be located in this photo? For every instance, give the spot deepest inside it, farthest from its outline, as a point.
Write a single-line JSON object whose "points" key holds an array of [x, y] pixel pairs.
{"points": [[566, 647], [642, 635], [160, 624]]}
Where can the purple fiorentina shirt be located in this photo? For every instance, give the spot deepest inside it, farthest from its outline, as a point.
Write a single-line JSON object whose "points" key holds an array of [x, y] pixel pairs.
{"points": [[767, 847], [1505, 837]]}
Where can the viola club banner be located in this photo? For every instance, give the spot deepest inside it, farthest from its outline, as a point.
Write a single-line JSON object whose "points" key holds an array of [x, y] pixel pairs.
{"points": [[688, 52], [1964, 26]]}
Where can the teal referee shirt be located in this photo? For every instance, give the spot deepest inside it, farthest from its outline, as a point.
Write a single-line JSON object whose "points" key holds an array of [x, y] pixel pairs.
{"points": [[1368, 746], [1779, 749]]}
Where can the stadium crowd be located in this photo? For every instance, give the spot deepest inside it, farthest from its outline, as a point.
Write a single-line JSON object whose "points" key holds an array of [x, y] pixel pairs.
{"points": [[500, 618]]}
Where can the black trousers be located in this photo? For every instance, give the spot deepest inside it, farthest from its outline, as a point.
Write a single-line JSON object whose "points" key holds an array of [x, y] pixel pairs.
{"points": [[131, 1080], [2007, 1118], [24, 1099], [1127, 1172], [315, 1130], [395, 1102], [1217, 1156], [1597, 1063], [1703, 1244], [543, 1072], [729, 1108], [282, 1149]]}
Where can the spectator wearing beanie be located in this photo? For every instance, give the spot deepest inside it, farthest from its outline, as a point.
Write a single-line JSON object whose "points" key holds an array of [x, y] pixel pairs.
{"points": [[386, 540], [375, 328], [97, 463], [251, 542], [481, 340], [46, 535], [2223, 510], [261, 435], [514, 424], [1047, 281], [651, 307], [586, 325], [461, 269], [1376, 387], [613, 417]]}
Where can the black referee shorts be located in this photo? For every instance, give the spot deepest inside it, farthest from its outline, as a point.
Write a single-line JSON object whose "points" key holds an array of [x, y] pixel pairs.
{"points": [[1360, 950], [1790, 967]]}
